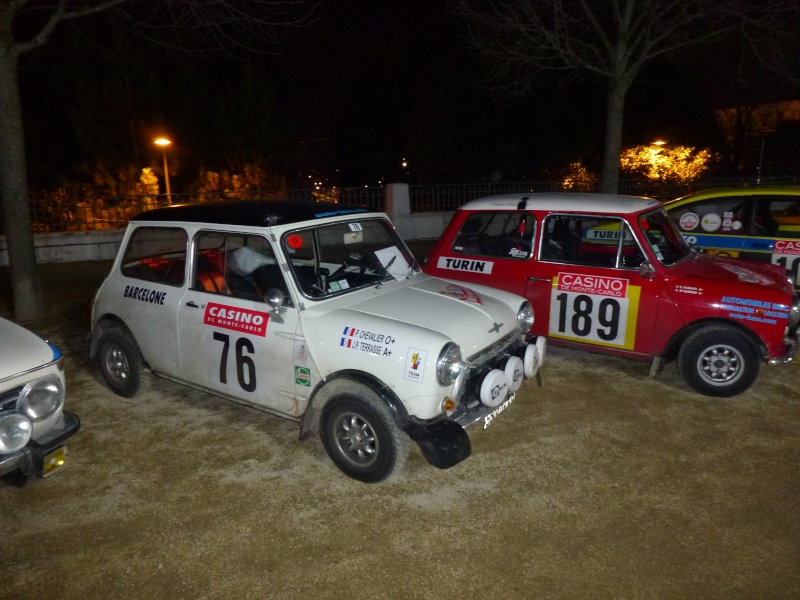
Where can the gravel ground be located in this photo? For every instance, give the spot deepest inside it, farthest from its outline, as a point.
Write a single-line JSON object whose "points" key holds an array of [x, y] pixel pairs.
{"points": [[601, 483]]}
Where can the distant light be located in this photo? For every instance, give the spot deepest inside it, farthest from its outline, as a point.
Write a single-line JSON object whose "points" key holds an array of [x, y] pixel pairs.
{"points": [[162, 141], [659, 143]]}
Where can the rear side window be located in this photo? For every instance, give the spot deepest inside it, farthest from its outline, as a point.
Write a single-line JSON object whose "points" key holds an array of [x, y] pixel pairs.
{"points": [[157, 255], [726, 214], [497, 234]]}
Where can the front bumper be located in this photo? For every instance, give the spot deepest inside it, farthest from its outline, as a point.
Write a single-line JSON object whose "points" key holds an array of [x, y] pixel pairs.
{"points": [[30, 459]]}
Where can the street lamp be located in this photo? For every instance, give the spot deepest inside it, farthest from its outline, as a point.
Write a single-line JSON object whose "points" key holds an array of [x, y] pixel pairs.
{"points": [[164, 142]]}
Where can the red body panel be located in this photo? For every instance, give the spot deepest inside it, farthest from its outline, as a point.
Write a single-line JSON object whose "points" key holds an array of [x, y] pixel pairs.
{"points": [[620, 310]]}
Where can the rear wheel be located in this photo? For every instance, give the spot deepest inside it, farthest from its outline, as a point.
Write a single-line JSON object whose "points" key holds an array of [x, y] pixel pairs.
{"points": [[718, 361], [120, 362], [361, 437]]}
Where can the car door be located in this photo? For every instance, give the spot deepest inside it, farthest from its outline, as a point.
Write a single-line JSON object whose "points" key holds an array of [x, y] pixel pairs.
{"points": [[586, 288], [491, 248], [230, 340]]}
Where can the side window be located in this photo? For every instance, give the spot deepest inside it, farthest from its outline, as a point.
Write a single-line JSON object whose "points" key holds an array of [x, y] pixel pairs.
{"points": [[717, 215], [242, 266], [156, 254], [497, 234], [589, 241], [777, 215]]}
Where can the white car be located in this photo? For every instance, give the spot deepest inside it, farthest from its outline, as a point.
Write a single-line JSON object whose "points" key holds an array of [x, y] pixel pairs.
{"points": [[318, 313], [33, 423]]}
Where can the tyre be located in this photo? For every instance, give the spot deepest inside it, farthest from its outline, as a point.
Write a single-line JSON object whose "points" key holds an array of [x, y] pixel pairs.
{"points": [[120, 362], [361, 437], [718, 361]]}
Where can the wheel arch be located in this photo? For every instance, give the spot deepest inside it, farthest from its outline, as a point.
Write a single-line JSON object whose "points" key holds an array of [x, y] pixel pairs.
{"points": [[677, 340], [103, 324], [335, 384]]}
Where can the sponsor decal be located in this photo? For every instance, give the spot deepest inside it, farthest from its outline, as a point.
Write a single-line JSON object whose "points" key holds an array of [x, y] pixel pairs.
{"points": [[302, 376], [594, 310], [747, 275], [463, 264], [236, 319], [689, 289], [144, 294], [294, 241], [302, 353], [462, 293], [415, 364], [517, 253], [378, 344], [711, 222], [749, 309], [355, 226], [487, 420], [689, 221], [736, 225], [593, 284], [787, 247]]}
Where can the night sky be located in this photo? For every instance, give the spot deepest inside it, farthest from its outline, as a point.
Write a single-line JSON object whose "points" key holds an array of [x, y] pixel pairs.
{"points": [[369, 83]]}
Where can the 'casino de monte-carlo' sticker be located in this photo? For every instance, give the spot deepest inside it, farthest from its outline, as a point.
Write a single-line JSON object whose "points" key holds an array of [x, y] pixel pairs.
{"points": [[594, 309], [236, 319]]}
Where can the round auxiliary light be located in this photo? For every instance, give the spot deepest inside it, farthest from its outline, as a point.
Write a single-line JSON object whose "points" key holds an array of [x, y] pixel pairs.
{"points": [[494, 388], [531, 360], [515, 373]]}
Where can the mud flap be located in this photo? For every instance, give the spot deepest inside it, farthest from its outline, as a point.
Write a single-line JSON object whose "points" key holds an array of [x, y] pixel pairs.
{"points": [[443, 443]]}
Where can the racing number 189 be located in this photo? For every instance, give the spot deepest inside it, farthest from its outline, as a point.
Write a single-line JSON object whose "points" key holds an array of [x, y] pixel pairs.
{"points": [[245, 367], [582, 313]]}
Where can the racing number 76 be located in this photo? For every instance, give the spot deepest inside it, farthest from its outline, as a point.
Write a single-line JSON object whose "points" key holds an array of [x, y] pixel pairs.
{"points": [[245, 367]]}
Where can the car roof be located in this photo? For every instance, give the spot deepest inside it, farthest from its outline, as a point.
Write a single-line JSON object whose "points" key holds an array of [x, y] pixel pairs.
{"points": [[254, 213], [565, 201], [778, 190]]}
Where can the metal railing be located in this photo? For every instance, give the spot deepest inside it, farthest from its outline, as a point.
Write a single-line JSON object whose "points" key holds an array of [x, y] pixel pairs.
{"points": [[114, 212]]}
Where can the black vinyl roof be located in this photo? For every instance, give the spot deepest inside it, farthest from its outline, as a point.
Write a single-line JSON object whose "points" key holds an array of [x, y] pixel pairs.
{"points": [[256, 213]]}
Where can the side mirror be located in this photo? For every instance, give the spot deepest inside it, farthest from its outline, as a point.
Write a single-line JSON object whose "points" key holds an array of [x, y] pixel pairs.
{"points": [[647, 270], [275, 298]]}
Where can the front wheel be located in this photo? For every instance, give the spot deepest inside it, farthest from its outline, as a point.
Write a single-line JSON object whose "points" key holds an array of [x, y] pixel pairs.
{"points": [[362, 438], [120, 362], [718, 361]]}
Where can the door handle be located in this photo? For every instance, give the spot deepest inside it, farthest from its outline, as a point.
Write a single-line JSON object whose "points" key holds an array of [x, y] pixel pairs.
{"points": [[546, 279], [191, 304], [761, 245]]}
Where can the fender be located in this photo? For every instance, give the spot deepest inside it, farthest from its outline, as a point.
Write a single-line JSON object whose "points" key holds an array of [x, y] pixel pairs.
{"points": [[443, 443]]}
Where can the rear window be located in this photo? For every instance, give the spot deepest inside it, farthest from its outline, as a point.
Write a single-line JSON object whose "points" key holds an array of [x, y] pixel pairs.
{"points": [[157, 255]]}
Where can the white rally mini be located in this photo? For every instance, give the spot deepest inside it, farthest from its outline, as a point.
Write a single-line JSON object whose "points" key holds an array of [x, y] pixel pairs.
{"points": [[318, 313]]}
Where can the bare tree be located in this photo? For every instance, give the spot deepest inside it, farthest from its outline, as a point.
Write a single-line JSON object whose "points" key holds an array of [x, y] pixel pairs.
{"points": [[195, 25], [613, 39]]}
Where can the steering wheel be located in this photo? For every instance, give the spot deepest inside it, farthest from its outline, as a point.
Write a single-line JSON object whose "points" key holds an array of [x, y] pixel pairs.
{"points": [[356, 259]]}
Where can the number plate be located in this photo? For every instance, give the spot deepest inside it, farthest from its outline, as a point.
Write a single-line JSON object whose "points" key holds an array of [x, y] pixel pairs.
{"points": [[54, 461], [487, 420]]}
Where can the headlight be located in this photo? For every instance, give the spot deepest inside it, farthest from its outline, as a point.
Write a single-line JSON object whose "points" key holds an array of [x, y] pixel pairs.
{"points": [[794, 312], [525, 317], [449, 364], [42, 397], [15, 431]]}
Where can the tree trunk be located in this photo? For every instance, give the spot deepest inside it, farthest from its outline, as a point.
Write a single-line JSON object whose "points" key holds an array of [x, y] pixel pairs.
{"points": [[28, 302], [609, 179]]}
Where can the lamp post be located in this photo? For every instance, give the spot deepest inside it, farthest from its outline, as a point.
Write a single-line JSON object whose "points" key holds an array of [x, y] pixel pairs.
{"points": [[164, 142]]}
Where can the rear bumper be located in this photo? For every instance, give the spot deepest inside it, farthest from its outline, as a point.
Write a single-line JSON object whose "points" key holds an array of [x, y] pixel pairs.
{"points": [[30, 459]]}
